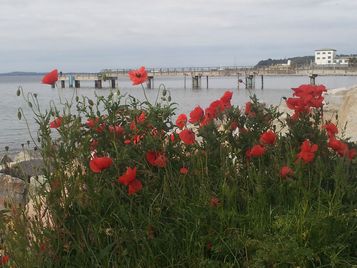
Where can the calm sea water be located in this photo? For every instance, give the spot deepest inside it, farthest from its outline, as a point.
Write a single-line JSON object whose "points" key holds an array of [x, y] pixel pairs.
{"points": [[14, 132]]}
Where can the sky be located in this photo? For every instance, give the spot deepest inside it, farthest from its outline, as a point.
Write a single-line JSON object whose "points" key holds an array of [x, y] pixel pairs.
{"points": [[91, 35]]}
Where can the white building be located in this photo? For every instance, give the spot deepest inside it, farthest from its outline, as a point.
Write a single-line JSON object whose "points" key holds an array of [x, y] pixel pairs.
{"points": [[341, 60], [327, 56]]}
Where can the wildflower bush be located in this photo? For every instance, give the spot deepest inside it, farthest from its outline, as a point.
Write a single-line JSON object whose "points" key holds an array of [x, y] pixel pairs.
{"points": [[131, 184]]}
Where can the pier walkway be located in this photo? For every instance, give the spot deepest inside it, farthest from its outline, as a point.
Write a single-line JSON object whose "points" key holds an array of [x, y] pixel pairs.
{"points": [[195, 74]]}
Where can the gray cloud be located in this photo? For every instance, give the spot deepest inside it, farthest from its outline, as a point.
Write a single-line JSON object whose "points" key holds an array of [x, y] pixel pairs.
{"points": [[91, 35]]}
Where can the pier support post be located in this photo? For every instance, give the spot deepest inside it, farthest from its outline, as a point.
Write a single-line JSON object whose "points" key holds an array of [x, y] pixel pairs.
{"points": [[249, 82], [53, 85], [71, 81], [207, 81], [312, 79], [238, 81], [184, 81], [98, 83], [63, 84], [150, 82], [112, 83], [262, 80], [196, 81], [77, 83]]}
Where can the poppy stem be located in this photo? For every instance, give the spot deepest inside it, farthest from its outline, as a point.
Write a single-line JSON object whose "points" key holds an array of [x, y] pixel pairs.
{"points": [[146, 97]]}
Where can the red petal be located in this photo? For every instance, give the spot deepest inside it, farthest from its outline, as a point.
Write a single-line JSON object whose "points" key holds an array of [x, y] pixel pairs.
{"points": [[134, 187], [50, 78]]}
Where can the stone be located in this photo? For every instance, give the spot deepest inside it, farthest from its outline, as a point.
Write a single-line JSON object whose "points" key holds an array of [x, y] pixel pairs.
{"points": [[24, 169], [12, 190], [343, 103]]}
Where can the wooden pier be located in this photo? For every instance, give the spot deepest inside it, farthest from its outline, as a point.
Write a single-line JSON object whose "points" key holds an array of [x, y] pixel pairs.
{"points": [[248, 73]]}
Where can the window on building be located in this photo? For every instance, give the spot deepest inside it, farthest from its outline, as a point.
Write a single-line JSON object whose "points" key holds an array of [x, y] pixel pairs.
{"points": [[329, 52], [324, 52], [318, 53], [323, 58], [329, 61], [318, 58], [329, 57]]}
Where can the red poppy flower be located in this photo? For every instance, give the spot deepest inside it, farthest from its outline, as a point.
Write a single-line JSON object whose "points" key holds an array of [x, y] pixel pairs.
{"points": [[151, 157], [248, 109], [127, 141], [160, 160], [57, 122], [341, 148], [226, 99], [227, 96], [117, 130], [307, 151], [134, 187], [129, 179], [196, 115], [172, 137], [156, 159], [128, 176], [138, 76], [93, 123], [331, 129], [256, 151], [336, 145], [214, 202], [268, 137], [97, 164], [141, 118], [184, 170], [286, 171], [50, 78], [214, 109], [187, 136], [305, 98], [234, 125], [4, 259], [133, 126], [181, 121], [137, 139]]}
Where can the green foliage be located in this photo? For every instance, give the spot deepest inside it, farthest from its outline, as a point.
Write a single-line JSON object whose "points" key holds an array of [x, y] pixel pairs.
{"points": [[229, 210]]}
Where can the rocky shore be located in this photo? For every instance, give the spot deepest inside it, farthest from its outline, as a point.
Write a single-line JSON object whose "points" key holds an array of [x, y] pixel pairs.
{"points": [[341, 108], [17, 177]]}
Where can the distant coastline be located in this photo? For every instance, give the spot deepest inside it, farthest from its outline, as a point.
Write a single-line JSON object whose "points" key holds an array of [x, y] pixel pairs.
{"points": [[20, 74]]}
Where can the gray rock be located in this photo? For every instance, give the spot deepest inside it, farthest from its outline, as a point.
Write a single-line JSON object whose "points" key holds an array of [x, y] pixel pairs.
{"points": [[24, 169], [12, 191]]}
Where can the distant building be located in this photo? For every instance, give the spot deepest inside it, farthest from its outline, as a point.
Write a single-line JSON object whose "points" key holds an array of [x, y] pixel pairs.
{"points": [[287, 64], [341, 60], [327, 56]]}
